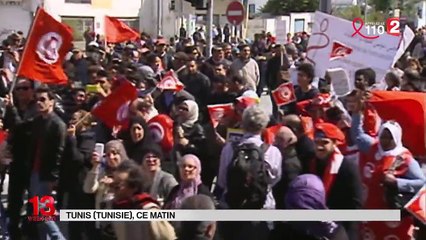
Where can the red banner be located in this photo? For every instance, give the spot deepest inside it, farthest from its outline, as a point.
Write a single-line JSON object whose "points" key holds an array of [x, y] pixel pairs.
{"points": [[48, 43]]}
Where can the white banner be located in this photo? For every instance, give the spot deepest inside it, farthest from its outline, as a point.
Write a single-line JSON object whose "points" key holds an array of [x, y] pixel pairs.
{"points": [[229, 215], [408, 36], [360, 52]]}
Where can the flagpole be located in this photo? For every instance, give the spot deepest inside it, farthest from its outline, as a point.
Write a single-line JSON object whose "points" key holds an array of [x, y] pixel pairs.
{"points": [[82, 119], [12, 86]]}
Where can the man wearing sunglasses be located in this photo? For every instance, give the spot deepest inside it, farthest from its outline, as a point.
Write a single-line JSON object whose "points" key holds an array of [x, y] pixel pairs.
{"points": [[39, 144]]}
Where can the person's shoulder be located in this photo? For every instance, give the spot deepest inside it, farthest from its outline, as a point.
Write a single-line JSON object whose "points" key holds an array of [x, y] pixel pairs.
{"points": [[204, 190], [166, 175], [57, 120]]}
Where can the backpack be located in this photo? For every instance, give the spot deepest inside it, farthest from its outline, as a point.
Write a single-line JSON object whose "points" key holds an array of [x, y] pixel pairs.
{"points": [[247, 184]]}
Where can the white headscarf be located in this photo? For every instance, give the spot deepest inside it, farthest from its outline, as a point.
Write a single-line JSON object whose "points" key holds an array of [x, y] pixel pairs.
{"points": [[396, 132], [192, 113]]}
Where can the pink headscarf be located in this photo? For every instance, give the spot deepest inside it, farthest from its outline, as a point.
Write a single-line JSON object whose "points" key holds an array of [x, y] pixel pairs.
{"points": [[187, 188]]}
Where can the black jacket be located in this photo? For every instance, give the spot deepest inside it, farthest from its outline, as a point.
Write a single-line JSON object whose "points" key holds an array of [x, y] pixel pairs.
{"points": [[51, 134], [208, 67], [272, 70], [76, 161], [198, 85]]}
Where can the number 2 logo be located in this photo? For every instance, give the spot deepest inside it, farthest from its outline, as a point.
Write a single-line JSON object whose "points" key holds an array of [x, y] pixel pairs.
{"points": [[44, 205], [393, 26]]}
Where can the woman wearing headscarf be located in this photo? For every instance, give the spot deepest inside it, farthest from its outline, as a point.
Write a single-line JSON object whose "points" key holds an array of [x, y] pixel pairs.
{"points": [[389, 171], [100, 177], [157, 182], [189, 134], [285, 141], [190, 183], [307, 192], [136, 138]]}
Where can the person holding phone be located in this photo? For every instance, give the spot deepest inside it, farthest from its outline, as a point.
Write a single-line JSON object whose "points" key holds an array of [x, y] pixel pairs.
{"points": [[99, 178]]}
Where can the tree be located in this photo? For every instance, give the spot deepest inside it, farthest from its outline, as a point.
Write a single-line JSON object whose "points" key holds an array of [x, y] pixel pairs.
{"points": [[283, 7], [348, 13]]}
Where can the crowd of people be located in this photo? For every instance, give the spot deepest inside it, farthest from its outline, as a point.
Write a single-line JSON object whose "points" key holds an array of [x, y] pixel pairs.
{"points": [[50, 138]]}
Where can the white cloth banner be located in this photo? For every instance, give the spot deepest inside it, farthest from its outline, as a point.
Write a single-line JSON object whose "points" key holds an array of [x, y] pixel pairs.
{"points": [[356, 52], [408, 36]]}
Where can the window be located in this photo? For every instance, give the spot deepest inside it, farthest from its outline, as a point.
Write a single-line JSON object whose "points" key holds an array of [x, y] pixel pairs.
{"points": [[79, 1], [252, 11], [79, 25], [299, 25], [131, 22]]}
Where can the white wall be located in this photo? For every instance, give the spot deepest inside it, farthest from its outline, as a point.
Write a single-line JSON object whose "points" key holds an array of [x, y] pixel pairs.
{"points": [[170, 21], [14, 18], [308, 17], [129, 9]]}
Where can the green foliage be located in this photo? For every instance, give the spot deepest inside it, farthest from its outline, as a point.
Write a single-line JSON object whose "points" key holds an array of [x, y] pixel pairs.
{"points": [[382, 5], [348, 13], [282, 7]]}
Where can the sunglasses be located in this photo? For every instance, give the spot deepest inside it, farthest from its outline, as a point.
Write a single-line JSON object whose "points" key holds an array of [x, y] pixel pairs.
{"points": [[22, 88], [101, 82]]}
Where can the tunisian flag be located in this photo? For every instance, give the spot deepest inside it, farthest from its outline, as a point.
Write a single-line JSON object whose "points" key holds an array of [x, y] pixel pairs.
{"points": [[170, 82], [284, 94], [114, 109], [417, 205], [218, 111], [48, 43], [268, 134], [161, 129], [118, 32], [408, 109]]}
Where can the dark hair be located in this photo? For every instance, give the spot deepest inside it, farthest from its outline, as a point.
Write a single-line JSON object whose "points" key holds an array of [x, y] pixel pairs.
{"points": [[369, 75], [150, 58], [333, 114], [102, 73], [152, 148], [32, 83], [189, 49], [76, 90], [307, 69], [220, 79], [135, 178], [239, 80], [45, 89], [411, 74], [242, 46]]}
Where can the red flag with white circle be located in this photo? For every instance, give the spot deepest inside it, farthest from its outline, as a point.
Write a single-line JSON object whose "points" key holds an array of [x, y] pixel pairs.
{"points": [[161, 129], [284, 94], [114, 109], [219, 111], [170, 82]]}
